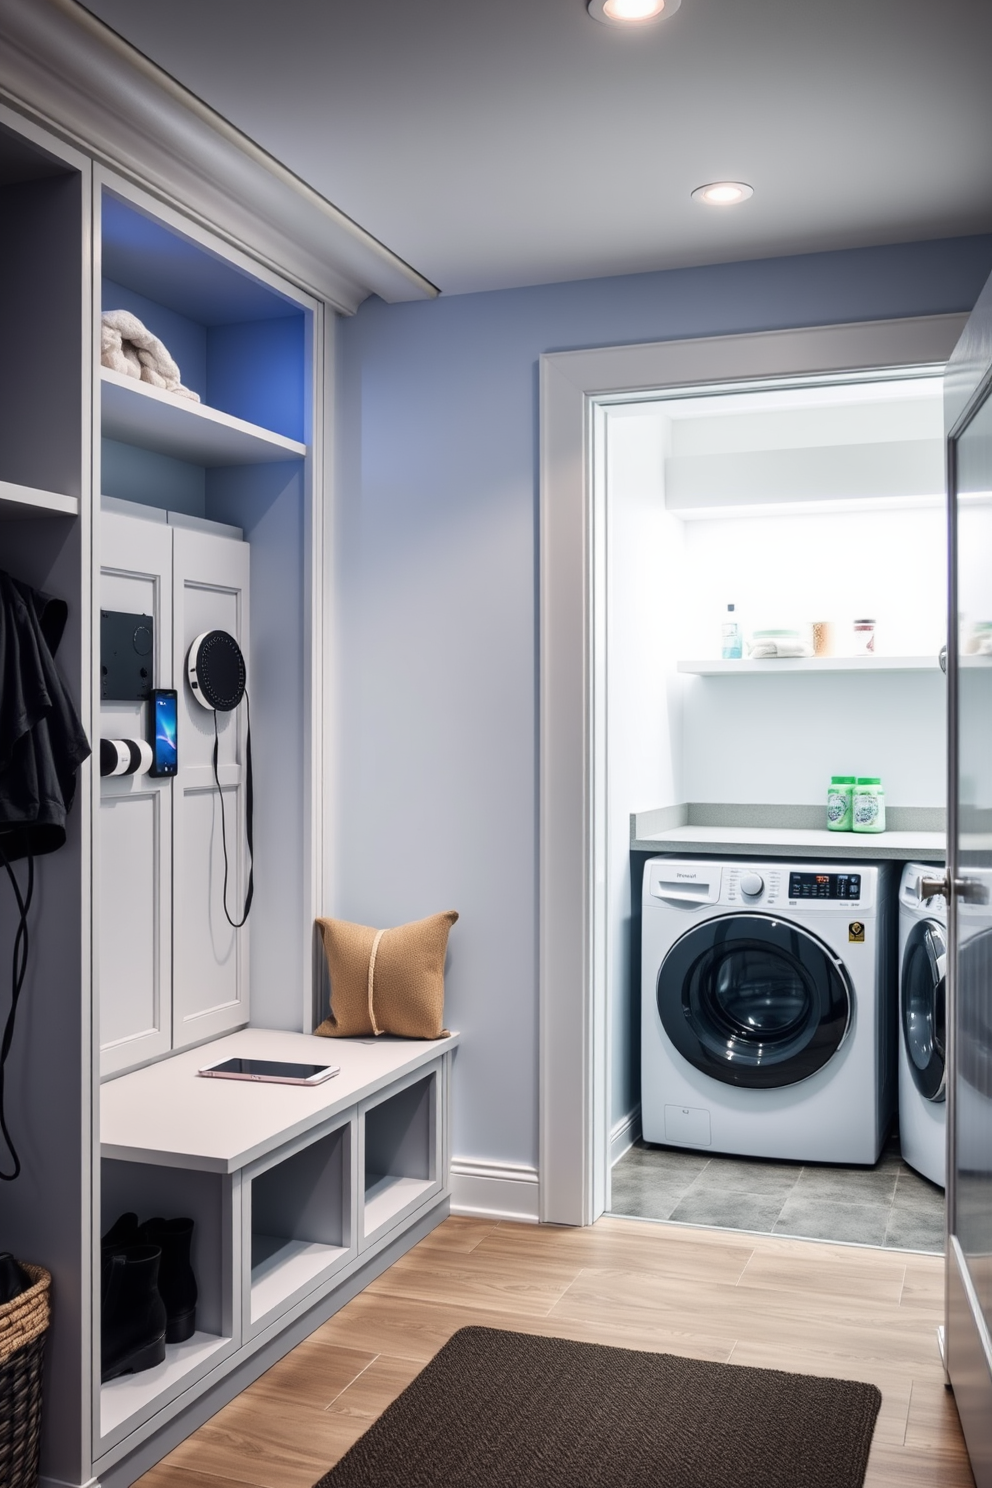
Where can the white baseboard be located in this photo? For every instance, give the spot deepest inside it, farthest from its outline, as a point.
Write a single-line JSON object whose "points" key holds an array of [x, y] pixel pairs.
{"points": [[491, 1190], [624, 1134]]}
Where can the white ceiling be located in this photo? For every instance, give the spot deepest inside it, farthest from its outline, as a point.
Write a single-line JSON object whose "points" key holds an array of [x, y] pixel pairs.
{"points": [[493, 143]]}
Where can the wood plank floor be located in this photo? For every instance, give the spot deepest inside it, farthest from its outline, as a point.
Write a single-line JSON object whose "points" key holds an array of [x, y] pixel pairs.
{"points": [[784, 1304]]}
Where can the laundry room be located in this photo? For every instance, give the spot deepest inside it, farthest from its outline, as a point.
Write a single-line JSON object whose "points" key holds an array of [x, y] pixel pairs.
{"points": [[776, 593]]}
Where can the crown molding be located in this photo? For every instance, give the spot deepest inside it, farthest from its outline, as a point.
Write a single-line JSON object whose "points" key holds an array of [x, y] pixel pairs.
{"points": [[66, 67]]}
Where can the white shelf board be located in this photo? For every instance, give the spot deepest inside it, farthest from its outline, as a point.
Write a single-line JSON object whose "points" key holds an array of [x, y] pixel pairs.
{"points": [[287, 1267], [746, 666], [30, 501], [134, 1395], [388, 1196], [137, 413], [167, 1114]]}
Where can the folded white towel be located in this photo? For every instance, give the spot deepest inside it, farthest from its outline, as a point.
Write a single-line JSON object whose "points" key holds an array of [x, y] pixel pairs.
{"points": [[761, 650], [128, 346]]}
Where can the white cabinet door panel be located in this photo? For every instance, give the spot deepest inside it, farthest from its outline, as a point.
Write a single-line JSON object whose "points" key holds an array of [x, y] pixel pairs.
{"points": [[210, 982], [133, 870], [135, 927]]}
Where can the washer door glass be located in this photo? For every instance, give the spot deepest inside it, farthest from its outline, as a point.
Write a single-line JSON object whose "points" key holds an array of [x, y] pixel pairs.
{"points": [[755, 1001], [923, 1002]]}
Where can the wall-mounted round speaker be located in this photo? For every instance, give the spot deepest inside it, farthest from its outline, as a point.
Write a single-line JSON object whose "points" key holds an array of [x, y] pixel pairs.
{"points": [[216, 671]]}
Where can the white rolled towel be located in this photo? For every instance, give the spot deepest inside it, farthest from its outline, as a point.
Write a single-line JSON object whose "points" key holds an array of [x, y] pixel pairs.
{"points": [[128, 346]]}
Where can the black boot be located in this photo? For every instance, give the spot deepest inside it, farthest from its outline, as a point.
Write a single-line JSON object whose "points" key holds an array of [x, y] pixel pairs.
{"points": [[132, 1312], [176, 1281], [123, 1231]]}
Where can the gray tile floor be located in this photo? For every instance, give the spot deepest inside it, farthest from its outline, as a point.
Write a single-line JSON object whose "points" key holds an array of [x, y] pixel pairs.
{"points": [[888, 1205]]}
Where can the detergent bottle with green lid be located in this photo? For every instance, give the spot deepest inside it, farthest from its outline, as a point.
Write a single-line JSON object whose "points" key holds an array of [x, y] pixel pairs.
{"points": [[868, 804], [839, 803]]}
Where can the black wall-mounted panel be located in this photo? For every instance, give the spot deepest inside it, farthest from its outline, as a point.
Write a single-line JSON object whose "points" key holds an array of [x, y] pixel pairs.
{"points": [[127, 646]]}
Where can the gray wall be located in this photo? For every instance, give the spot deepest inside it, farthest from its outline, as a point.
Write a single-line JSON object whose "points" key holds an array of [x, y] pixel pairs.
{"points": [[437, 601]]}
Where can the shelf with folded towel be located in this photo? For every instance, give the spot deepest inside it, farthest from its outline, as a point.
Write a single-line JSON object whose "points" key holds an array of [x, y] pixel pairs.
{"points": [[137, 413], [28, 501], [747, 666]]}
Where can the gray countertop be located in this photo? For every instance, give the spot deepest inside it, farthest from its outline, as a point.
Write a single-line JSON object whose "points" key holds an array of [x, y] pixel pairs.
{"points": [[916, 833]]}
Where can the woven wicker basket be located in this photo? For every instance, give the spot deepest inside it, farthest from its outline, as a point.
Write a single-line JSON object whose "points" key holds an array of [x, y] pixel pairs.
{"points": [[23, 1324]]}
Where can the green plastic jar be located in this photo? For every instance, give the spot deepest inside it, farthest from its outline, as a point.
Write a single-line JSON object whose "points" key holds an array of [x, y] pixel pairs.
{"points": [[839, 803], [868, 804]]}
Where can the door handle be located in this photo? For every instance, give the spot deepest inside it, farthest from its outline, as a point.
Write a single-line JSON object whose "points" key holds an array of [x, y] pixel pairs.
{"points": [[968, 890]]}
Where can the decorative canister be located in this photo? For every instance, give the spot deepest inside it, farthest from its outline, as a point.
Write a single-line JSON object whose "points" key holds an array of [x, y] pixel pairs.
{"points": [[840, 803], [823, 638], [864, 637], [868, 804]]}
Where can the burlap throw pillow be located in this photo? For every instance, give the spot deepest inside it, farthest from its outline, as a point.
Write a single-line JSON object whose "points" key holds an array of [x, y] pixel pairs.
{"points": [[386, 981]]}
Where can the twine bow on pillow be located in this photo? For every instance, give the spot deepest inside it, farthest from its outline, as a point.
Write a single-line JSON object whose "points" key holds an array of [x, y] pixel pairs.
{"points": [[386, 981]]}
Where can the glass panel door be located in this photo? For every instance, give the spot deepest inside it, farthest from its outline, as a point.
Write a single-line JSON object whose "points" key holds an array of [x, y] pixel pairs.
{"points": [[969, 1258]]}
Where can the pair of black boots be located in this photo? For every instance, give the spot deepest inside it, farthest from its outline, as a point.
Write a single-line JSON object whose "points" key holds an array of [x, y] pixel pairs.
{"points": [[148, 1292]]}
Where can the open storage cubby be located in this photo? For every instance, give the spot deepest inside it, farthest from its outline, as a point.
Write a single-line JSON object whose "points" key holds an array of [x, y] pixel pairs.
{"points": [[236, 469], [298, 1214], [150, 1190], [400, 1153], [40, 309]]}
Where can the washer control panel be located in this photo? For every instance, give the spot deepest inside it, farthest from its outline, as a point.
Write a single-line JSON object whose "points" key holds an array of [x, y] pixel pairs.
{"points": [[822, 888], [845, 886]]}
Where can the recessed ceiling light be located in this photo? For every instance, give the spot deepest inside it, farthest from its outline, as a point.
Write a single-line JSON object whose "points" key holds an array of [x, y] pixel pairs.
{"points": [[631, 12], [723, 193]]}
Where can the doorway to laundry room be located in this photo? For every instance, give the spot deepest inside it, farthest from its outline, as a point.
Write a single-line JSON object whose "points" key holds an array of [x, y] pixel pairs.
{"points": [[775, 608]]}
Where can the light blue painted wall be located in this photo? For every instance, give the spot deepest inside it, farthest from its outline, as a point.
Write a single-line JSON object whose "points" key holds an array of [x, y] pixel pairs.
{"points": [[437, 600]]}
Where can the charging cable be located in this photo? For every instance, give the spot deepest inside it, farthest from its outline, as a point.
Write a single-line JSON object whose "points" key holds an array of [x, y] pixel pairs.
{"points": [[249, 808]]}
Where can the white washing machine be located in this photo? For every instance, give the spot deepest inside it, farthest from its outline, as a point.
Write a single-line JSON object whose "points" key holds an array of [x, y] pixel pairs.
{"points": [[768, 1008], [922, 1037]]}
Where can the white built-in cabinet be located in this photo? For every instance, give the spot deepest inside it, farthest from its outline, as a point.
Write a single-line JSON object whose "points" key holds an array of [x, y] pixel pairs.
{"points": [[117, 495], [172, 969]]}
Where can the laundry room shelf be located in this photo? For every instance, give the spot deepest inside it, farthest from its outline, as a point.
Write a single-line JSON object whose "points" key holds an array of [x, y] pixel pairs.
{"points": [[136, 413], [28, 501], [746, 667]]}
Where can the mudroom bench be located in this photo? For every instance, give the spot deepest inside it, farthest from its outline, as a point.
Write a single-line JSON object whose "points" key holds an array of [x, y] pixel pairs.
{"points": [[300, 1196]]}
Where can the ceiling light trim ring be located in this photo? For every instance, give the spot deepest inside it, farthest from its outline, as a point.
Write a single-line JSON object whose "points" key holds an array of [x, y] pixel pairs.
{"points": [[723, 193], [599, 11]]}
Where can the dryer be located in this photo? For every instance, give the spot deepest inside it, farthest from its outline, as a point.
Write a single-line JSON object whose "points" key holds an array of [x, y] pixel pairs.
{"points": [[922, 1034], [768, 1008]]}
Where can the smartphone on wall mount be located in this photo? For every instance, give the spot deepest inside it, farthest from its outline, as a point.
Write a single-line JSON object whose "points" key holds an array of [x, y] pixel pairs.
{"points": [[164, 723]]}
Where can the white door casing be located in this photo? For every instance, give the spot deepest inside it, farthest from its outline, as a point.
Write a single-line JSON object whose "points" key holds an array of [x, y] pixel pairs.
{"points": [[574, 1135]]}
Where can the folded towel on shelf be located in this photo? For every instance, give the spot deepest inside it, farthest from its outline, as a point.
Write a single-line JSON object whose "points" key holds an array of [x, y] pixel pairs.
{"points": [[129, 347], [760, 650]]}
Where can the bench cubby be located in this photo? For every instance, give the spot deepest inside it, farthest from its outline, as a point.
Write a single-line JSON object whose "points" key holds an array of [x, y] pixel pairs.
{"points": [[400, 1153], [298, 1214], [294, 1191], [149, 1190]]}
